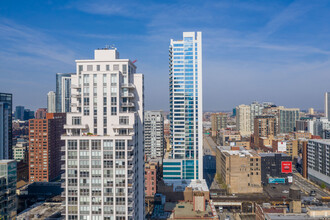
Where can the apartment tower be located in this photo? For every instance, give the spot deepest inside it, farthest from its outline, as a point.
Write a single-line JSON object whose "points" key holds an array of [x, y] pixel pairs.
{"points": [[243, 119], [327, 105], [6, 106], [51, 102], [104, 153], [186, 109], [63, 92], [45, 147], [154, 134]]}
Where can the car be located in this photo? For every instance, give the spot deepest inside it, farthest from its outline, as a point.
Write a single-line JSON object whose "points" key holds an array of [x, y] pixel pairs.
{"points": [[312, 193]]}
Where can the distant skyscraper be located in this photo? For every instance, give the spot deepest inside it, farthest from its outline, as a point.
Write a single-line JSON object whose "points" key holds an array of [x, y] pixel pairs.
{"points": [[153, 134], [256, 110], [218, 122], [327, 105], [45, 137], [51, 102], [104, 149], [28, 114], [19, 113], [6, 105], [287, 118], [41, 113], [243, 119], [186, 109], [63, 92], [8, 198]]}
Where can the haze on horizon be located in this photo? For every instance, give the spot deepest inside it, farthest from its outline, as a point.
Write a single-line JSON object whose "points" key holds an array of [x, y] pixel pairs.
{"points": [[275, 51]]}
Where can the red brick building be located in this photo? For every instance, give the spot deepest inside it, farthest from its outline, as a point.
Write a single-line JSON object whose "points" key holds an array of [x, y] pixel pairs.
{"points": [[45, 147], [151, 170]]}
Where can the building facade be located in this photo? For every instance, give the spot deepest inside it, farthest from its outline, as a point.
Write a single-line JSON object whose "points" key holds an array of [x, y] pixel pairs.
{"points": [[41, 113], [8, 198], [63, 92], [287, 119], [264, 126], [45, 147], [218, 122], [6, 106], [243, 119], [234, 164], [104, 149], [19, 113], [151, 178], [186, 109], [271, 166], [153, 134], [256, 110], [51, 102], [327, 105], [318, 152]]}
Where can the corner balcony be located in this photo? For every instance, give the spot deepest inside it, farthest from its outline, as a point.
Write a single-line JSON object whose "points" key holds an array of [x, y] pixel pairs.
{"points": [[73, 86], [128, 85]]}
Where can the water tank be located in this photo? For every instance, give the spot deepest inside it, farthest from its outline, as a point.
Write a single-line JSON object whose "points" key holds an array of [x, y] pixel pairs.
{"points": [[295, 193]]}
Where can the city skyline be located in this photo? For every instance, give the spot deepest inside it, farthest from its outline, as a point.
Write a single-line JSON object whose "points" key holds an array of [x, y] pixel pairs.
{"points": [[265, 54]]}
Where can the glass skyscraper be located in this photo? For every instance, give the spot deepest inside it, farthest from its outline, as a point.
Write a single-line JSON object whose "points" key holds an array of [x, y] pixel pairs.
{"points": [[6, 106], [186, 158], [63, 92]]}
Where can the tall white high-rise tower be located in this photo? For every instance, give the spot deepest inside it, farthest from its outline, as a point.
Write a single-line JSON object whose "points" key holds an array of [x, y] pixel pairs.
{"points": [[186, 109], [104, 166]]}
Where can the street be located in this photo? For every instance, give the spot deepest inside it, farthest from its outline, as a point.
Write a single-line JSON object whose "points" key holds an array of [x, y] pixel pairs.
{"points": [[306, 186]]}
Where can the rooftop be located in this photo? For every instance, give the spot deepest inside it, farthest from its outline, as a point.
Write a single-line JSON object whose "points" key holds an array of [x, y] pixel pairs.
{"points": [[180, 185], [321, 141], [42, 211]]}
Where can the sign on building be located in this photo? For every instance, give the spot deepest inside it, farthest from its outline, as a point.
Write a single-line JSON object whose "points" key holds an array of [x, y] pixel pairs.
{"points": [[286, 166], [281, 146]]}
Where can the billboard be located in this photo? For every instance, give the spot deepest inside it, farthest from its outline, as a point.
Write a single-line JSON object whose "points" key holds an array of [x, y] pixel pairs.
{"points": [[286, 166], [290, 179], [276, 180], [281, 146]]}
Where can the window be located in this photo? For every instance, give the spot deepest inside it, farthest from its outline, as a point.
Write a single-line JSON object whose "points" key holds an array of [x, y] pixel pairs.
{"points": [[86, 110], [105, 121], [107, 67], [104, 100], [124, 69], [113, 110], [76, 120], [86, 101], [104, 110], [95, 110], [113, 100], [116, 67], [98, 67], [123, 120], [89, 67], [86, 79], [80, 68]]}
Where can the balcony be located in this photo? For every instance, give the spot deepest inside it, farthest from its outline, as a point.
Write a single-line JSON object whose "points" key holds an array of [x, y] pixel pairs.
{"points": [[128, 85], [77, 126], [77, 95], [63, 157], [127, 104], [76, 105], [127, 95], [73, 86]]}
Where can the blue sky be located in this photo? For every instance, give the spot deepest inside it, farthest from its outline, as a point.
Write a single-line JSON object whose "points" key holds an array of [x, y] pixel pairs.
{"points": [[275, 51]]}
